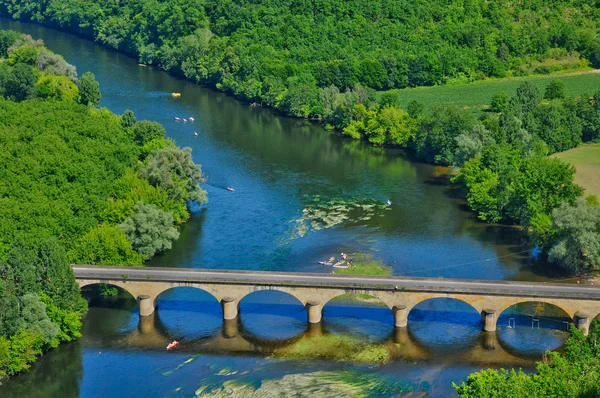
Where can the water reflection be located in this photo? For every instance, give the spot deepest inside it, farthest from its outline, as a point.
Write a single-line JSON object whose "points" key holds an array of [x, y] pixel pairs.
{"points": [[446, 325], [271, 315], [446, 336], [520, 326]]}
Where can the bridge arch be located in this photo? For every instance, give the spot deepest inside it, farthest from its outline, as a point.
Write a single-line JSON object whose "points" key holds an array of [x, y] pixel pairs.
{"points": [[272, 314], [187, 287], [127, 289], [444, 324], [381, 298], [364, 314], [570, 312]]}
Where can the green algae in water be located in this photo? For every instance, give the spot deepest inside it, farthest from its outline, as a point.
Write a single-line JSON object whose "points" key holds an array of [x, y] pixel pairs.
{"points": [[337, 348], [189, 360], [322, 213], [345, 383]]}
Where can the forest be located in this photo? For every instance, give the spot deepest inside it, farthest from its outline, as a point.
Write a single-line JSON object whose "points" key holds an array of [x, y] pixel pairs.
{"points": [[291, 54], [342, 63], [78, 184]]}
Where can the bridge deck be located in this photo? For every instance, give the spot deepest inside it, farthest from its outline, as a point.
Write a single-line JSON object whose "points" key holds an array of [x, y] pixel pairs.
{"points": [[352, 282]]}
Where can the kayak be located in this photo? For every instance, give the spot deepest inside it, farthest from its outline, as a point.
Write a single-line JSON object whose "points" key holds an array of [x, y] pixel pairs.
{"points": [[325, 263], [339, 265], [230, 189], [173, 344]]}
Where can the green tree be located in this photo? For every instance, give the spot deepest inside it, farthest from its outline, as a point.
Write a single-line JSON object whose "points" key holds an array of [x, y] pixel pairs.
{"points": [[19, 83], [89, 90], [150, 230], [27, 55], [128, 119], [577, 244], [499, 102], [555, 90], [528, 96], [104, 245], [471, 142], [33, 317], [7, 40], [436, 137], [174, 170], [58, 88], [146, 130], [540, 186]]}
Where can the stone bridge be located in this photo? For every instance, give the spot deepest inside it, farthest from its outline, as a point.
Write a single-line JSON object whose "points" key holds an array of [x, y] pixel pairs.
{"points": [[400, 294]]}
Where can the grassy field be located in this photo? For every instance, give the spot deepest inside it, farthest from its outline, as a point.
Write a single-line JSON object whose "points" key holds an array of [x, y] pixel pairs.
{"points": [[478, 95], [586, 160]]}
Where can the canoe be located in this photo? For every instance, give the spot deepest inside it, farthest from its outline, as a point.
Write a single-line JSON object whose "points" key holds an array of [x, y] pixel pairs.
{"points": [[173, 344], [340, 265]]}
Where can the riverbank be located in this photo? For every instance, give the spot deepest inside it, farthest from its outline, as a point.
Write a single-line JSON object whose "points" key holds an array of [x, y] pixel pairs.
{"points": [[277, 165], [80, 185]]}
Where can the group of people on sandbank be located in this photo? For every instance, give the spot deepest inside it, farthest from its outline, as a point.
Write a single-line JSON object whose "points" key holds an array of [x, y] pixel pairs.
{"points": [[344, 261]]}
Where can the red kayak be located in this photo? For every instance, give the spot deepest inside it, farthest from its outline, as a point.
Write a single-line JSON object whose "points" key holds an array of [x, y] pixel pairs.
{"points": [[173, 344]]}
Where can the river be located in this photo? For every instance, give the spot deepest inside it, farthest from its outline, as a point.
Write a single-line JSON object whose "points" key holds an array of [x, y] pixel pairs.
{"points": [[302, 194]]}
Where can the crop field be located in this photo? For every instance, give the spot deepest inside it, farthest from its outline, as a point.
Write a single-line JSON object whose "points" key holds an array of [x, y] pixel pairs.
{"points": [[586, 160], [477, 95]]}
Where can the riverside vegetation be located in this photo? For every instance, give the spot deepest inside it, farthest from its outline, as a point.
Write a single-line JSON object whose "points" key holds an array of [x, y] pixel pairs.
{"points": [[78, 185], [326, 60], [298, 57], [574, 373]]}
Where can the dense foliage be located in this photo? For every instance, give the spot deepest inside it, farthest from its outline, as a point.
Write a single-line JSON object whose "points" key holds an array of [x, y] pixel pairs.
{"points": [[574, 373], [77, 185], [576, 236], [287, 53]]}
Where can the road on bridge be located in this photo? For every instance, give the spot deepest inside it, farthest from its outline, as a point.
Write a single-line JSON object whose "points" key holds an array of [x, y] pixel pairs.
{"points": [[392, 283]]}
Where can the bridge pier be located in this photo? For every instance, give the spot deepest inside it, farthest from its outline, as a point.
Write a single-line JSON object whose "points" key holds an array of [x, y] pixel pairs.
{"points": [[400, 316], [582, 322], [314, 329], [230, 308], [489, 340], [146, 324], [146, 304], [488, 319], [230, 328], [314, 309]]}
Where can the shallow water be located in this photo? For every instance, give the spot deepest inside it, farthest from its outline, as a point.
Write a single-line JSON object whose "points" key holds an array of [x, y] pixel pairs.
{"points": [[301, 195]]}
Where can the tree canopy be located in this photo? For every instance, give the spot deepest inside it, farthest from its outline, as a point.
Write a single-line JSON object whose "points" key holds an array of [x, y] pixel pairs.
{"points": [[73, 189], [574, 373], [283, 53]]}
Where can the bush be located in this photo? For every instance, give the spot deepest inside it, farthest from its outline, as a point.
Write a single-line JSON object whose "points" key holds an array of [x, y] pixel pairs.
{"points": [[57, 88], [150, 230], [174, 170], [146, 131], [104, 245], [555, 90], [89, 90]]}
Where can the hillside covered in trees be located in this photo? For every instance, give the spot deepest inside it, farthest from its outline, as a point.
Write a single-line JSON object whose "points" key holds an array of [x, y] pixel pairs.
{"points": [[78, 184], [285, 53]]}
